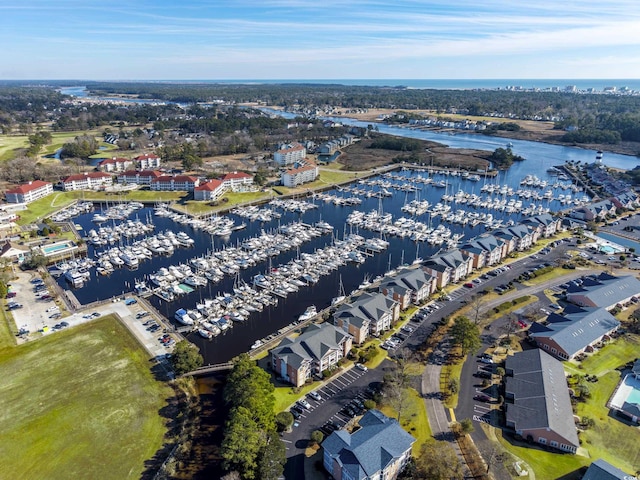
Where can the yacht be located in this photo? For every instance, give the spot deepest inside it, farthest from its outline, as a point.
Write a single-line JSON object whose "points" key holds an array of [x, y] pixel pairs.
{"points": [[183, 317], [308, 314]]}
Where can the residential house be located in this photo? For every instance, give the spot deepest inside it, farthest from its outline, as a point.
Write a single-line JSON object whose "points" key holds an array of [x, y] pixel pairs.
{"points": [[378, 450], [301, 173], [412, 286], [518, 237], [237, 181], [211, 190], [29, 192], [604, 291], [138, 177], [594, 211], [477, 254], [170, 183], [148, 161], [545, 224], [87, 181], [538, 406], [289, 154], [114, 164], [373, 310], [14, 252], [317, 348], [576, 331], [602, 470], [449, 267]]}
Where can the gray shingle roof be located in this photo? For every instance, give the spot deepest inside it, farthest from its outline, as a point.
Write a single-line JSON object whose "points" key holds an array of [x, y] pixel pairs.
{"points": [[541, 394], [371, 448], [413, 279], [607, 290], [574, 331], [601, 470], [312, 344], [368, 307]]}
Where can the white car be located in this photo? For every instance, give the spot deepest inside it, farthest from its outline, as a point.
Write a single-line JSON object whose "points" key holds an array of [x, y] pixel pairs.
{"points": [[303, 403], [360, 366], [315, 395]]}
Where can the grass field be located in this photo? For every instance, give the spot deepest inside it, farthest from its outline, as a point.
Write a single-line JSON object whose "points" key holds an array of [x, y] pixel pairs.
{"points": [[81, 403], [413, 419], [8, 144], [46, 206]]}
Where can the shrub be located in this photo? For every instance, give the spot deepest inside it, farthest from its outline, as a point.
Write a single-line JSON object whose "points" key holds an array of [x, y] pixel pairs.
{"points": [[316, 437], [369, 404], [284, 420]]}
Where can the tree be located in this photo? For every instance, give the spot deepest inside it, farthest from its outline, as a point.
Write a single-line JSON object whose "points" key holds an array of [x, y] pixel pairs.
{"points": [[317, 436], [465, 334], [272, 458], [242, 443], [284, 420], [186, 357], [396, 382], [3, 289], [437, 461], [476, 305], [467, 426], [260, 178]]}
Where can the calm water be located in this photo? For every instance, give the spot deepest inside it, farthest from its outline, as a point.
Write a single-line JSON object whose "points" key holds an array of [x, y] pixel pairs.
{"points": [[540, 156], [261, 324]]}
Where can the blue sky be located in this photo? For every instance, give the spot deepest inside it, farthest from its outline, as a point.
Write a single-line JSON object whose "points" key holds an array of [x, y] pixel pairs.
{"points": [[316, 39]]}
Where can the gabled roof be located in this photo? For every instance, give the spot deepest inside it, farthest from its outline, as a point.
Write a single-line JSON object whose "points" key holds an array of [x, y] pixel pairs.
{"points": [[209, 186], [146, 156], [313, 343], [606, 290], [544, 219], [377, 443], [575, 330], [452, 259], [114, 160], [82, 176], [414, 279], [176, 179], [291, 148], [368, 307], [541, 394], [601, 470], [304, 168], [29, 187], [234, 175], [142, 173]]}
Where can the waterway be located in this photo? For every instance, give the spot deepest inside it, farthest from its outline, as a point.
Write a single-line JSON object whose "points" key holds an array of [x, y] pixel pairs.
{"points": [[260, 325], [542, 155]]}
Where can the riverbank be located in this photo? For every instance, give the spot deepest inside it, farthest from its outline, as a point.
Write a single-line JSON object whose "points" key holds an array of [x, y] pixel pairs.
{"points": [[533, 131]]}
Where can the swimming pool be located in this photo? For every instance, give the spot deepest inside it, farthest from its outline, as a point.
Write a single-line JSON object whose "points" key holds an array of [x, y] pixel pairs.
{"points": [[627, 397], [56, 247], [607, 249]]}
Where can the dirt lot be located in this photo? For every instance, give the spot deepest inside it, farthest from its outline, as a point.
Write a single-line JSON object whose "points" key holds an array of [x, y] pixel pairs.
{"points": [[360, 157]]}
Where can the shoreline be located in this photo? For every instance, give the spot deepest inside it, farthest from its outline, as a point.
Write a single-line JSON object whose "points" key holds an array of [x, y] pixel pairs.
{"points": [[525, 134]]}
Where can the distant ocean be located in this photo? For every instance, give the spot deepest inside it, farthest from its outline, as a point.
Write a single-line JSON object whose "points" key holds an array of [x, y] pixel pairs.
{"points": [[444, 84]]}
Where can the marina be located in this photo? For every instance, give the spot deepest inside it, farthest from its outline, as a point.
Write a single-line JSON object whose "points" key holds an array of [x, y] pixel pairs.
{"points": [[246, 275]]}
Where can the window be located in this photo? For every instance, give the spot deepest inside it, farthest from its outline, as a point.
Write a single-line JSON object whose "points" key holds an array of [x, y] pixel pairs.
{"points": [[542, 441], [546, 347], [553, 443]]}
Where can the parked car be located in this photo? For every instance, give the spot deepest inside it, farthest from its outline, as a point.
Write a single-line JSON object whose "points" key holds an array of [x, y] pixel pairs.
{"points": [[142, 314], [482, 398], [303, 403], [468, 285], [130, 301], [315, 395], [11, 294], [360, 366], [486, 360], [296, 414]]}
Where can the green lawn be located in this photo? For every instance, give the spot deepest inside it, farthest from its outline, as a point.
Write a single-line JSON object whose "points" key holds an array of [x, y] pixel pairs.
{"points": [[547, 277], [448, 372], [413, 419], [81, 403], [287, 395], [546, 465]]}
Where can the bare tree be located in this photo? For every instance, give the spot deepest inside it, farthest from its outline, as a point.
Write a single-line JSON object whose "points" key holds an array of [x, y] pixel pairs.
{"points": [[477, 307]]}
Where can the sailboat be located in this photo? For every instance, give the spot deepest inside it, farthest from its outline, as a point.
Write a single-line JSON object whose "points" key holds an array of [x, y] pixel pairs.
{"points": [[418, 259], [341, 294]]}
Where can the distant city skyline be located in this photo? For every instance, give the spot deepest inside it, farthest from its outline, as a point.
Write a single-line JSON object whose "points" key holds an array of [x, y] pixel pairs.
{"points": [[300, 39]]}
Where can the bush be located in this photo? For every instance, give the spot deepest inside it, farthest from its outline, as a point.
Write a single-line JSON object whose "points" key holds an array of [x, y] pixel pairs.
{"points": [[284, 420], [369, 404], [316, 437]]}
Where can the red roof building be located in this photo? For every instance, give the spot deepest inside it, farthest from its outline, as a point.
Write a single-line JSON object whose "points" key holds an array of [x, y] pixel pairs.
{"points": [[87, 181], [147, 161], [211, 190], [169, 183], [236, 180], [29, 192], [142, 177], [115, 164]]}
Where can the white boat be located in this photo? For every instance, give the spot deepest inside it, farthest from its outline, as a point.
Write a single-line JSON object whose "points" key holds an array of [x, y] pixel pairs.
{"points": [[183, 317], [309, 313], [257, 344], [205, 333]]}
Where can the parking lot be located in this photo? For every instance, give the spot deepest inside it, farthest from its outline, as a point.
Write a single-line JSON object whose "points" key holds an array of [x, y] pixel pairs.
{"points": [[40, 313]]}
